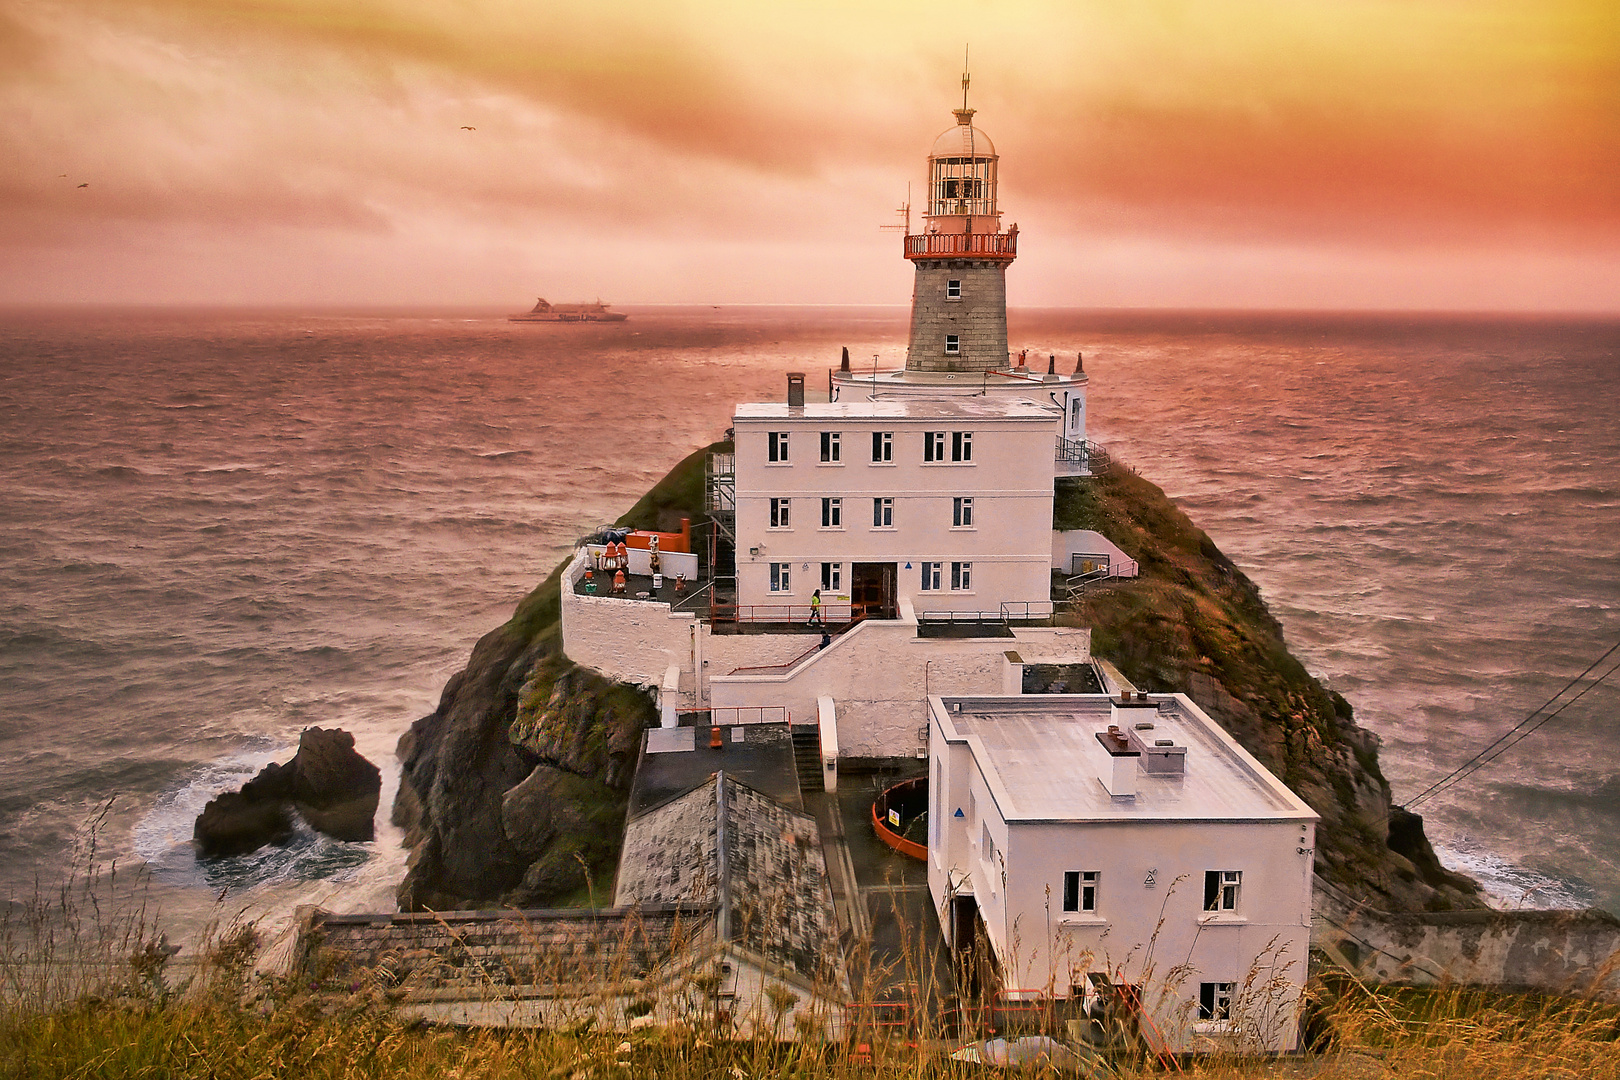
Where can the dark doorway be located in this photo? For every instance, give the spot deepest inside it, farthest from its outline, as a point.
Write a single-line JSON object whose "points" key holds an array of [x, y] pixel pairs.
{"points": [[872, 590], [964, 914]]}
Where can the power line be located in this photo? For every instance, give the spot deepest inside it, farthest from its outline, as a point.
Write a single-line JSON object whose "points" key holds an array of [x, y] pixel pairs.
{"points": [[1520, 731]]}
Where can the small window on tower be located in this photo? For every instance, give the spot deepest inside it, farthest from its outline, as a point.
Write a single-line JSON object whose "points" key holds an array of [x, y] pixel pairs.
{"points": [[953, 290], [953, 345]]}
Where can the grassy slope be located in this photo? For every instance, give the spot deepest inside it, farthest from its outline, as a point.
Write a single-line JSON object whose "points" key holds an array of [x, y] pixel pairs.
{"points": [[1194, 623]]}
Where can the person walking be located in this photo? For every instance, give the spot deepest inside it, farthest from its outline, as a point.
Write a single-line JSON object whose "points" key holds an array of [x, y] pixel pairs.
{"points": [[815, 609]]}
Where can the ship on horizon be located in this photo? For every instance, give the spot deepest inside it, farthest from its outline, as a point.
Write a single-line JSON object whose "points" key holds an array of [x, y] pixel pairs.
{"points": [[545, 311]]}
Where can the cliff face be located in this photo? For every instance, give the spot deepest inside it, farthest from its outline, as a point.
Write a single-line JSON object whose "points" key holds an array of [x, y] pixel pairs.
{"points": [[1194, 623], [513, 790]]}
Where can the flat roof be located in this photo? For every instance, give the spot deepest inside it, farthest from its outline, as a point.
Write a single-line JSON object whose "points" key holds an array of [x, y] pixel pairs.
{"points": [[1041, 759], [919, 408]]}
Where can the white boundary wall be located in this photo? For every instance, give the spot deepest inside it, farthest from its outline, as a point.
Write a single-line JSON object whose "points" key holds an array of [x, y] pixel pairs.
{"points": [[1066, 545]]}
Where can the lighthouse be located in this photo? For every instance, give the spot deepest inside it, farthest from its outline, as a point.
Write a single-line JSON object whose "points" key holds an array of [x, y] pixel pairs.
{"points": [[958, 341], [959, 303]]}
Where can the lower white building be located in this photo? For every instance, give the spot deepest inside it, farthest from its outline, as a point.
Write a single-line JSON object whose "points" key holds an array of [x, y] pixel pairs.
{"points": [[1126, 850]]}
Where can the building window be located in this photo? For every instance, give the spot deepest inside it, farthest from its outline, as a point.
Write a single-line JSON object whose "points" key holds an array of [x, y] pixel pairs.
{"points": [[933, 446], [776, 443], [883, 446], [961, 513], [779, 577], [779, 513], [882, 513], [961, 446], [930, 576], [1080, 890], [1221, 889], [832, 513], [832, 576], [831, 450], [1074, 412], [953, 345], [1215, 1001], [961, 576], [953, 289]]}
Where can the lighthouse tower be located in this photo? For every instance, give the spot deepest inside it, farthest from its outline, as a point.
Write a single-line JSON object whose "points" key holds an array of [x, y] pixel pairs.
{"points": [[958, 344], [959, 304]]}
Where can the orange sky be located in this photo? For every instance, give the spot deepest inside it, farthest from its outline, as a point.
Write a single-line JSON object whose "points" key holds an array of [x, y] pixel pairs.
{"points": [[1458, 154]]}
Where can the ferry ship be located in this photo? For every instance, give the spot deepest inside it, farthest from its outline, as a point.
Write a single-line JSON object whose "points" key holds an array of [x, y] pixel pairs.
{"points": [[545, 311]]}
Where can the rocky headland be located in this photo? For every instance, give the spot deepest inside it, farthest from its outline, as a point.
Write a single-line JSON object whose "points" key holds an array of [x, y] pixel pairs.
{"points": [[513, 790]]}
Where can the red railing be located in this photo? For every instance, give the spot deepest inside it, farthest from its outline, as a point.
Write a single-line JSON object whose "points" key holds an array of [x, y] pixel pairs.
{"points": [[776, 669], [995, 245], [780, 613]]}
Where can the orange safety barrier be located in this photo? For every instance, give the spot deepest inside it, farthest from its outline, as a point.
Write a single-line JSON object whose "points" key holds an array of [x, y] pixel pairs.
{"points": [[894, 839], [679, 542]]}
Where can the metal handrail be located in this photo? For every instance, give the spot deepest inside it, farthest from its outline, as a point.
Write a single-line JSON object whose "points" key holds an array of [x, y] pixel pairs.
{"points": [[781, 613], [689, 597], [779, 669], [994, 245], [1009, 609]]}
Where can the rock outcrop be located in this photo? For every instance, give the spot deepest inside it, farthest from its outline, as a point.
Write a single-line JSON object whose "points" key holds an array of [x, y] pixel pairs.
{"points": [[513, 791], [327, 783]]}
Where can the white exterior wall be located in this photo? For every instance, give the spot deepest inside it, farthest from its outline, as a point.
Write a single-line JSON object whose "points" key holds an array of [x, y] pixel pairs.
{"points": [[1007, 385], [633, 641], [1072, 542], [879, 673], [1269, 930], [1009, 479], [1149, 915]]}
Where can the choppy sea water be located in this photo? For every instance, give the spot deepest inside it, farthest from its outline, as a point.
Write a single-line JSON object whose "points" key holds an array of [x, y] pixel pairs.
{"points": [[218, 528]]}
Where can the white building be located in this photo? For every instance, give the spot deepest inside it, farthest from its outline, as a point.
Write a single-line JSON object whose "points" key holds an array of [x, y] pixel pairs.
{"points": [[1131, 852], [945, 502]]}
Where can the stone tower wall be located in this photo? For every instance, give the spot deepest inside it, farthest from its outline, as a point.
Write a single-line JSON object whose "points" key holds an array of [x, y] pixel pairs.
{"points": [[979, 318]]}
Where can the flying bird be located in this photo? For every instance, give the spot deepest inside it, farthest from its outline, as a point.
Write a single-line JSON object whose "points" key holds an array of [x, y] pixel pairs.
{"points": [[85, 184], [464, 127]]}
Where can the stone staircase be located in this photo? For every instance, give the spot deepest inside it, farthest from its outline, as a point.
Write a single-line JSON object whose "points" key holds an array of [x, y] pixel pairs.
{"points": [[807, 757]]}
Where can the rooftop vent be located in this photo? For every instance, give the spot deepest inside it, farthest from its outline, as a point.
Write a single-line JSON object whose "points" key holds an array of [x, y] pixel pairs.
{"points": [[795, 389], [1160, 758]]}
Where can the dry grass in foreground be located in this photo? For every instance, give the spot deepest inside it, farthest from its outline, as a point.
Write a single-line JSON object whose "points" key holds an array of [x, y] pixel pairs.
{"points": [[1369, 1033]]}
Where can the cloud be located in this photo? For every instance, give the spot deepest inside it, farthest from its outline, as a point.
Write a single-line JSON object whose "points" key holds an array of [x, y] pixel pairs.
{"points": [[674, 127]]}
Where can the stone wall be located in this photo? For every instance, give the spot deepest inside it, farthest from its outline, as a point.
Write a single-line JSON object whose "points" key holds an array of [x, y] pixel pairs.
{"points": [[979, 318], [1548, 951]]}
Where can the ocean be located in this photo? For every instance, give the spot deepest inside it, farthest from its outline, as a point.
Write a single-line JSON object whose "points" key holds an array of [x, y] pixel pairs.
{"points": [[220, 527]]}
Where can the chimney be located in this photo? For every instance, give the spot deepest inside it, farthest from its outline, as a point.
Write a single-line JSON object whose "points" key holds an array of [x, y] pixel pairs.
{"points": [[1079, 363], [1131, 707], [795, 389], [1051, 364], [1120, 775], [843, 365]]}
